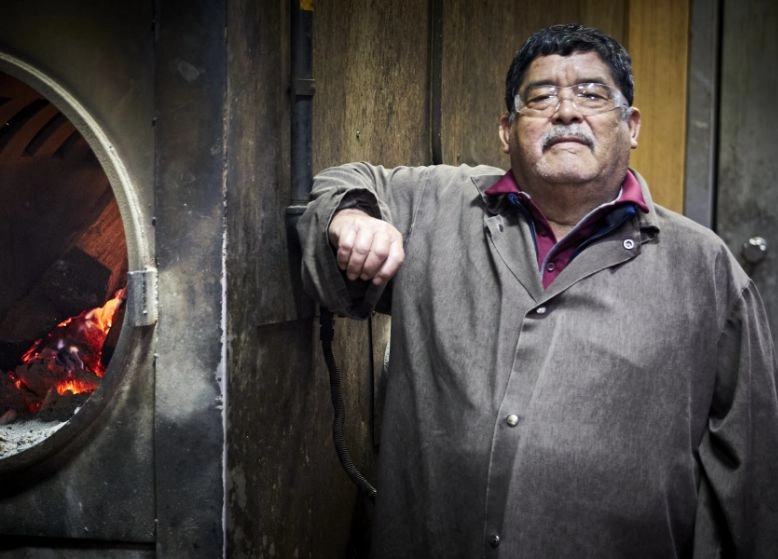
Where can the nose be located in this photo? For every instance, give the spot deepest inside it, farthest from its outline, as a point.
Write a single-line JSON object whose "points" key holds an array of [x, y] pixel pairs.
{"points": [[567, 110]]}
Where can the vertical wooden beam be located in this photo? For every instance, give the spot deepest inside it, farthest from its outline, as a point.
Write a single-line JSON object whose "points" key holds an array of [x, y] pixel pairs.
{"points": [[658, 40]]}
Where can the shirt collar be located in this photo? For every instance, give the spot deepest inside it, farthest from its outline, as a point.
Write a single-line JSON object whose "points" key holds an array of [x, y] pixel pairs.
{"points": [[630, 190]]}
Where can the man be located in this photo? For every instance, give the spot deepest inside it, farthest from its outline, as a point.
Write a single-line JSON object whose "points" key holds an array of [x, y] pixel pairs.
{"points": [[575, 371]]}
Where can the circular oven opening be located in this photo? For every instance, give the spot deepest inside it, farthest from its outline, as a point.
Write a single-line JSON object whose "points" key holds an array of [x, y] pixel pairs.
{"points": [[63, 266]]}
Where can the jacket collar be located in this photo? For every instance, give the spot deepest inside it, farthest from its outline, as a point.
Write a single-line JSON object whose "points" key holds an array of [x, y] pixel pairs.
{"points": [[496, 204]]}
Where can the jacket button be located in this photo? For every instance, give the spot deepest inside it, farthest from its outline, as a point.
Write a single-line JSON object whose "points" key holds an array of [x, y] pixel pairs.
{"points": [[494, 540], [512, 420], [629, 244]]}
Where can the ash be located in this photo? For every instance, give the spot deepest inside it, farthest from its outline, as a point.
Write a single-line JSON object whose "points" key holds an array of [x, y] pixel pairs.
{"points": [[19, 436]]}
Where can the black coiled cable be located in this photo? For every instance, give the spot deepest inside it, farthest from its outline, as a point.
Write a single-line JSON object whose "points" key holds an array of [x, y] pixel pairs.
{"points": [[327, 334]]}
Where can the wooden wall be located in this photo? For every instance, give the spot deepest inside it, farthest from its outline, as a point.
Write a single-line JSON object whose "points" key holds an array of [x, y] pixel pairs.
{"points": [[397, 82], [286, 494], [370, 65], [376, 79]]}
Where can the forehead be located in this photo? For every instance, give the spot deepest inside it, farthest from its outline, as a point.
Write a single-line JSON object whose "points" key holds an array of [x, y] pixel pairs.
{"points": [[567, 70]]}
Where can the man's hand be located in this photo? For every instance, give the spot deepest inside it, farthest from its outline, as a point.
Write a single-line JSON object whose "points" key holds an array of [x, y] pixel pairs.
{"points": [[368, 248]]}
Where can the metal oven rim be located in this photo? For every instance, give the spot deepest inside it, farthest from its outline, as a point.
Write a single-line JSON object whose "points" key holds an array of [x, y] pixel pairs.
{"points": [[141, 307]]}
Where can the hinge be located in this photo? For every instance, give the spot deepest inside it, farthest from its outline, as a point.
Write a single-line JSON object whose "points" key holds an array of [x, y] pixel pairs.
{"points": [[142, 297]]}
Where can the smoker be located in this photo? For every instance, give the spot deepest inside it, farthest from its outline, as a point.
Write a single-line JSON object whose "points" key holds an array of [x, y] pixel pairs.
{"points": [[78, 308], [111, 423], [152, 157]]}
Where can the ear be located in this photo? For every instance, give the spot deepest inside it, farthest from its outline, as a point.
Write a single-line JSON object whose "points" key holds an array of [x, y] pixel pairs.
{"points": [[633, 121], [505, 133]]}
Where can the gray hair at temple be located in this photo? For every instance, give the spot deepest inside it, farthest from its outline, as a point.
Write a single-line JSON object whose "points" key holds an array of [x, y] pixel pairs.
{"points": [[564, 40]]}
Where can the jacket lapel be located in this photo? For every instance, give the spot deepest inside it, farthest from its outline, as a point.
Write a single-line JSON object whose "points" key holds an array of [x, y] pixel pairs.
{"points": [[510, 238]]}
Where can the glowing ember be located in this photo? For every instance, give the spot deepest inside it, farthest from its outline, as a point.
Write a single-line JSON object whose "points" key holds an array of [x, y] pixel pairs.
{"points": [[68, 360], [74, 387]]}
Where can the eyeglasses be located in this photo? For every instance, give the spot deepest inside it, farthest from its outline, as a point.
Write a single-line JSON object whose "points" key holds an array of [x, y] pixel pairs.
{"points": [[589, 98]]}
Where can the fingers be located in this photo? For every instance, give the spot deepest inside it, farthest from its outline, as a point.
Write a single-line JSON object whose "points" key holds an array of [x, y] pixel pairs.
{"points": [[392, 263], [367, 248]]}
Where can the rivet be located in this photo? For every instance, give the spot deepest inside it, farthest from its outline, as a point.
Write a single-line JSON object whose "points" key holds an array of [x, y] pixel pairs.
{"points": [[494, 540]]}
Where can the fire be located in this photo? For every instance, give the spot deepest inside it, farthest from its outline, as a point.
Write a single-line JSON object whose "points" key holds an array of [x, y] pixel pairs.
{"points": [[68, 359], [74, 387]]}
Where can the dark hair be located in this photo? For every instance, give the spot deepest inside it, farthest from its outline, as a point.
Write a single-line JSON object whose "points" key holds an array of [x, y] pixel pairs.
{"points": [[564, 40]]}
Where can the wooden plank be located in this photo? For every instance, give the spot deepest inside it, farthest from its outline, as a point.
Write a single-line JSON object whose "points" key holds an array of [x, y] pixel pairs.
{"points": [[24, 135], [658, 35], [607, 15], [480, 40], [17, 94], [105, 240], [371, 70], [57, 137]]}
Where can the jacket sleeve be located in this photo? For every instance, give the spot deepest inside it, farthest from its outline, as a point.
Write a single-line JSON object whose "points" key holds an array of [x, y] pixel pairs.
{"points": [[737, 514], [384, 193]]}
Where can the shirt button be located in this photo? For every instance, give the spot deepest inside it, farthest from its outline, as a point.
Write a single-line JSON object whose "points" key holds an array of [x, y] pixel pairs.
{"points": [[629, 244], [540, 310], [494, 540], [512, 420], [550, 267]]}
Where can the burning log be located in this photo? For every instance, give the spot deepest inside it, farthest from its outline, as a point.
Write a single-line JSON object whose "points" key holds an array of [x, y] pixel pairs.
{"points": [[60, 370], [72, 283]]}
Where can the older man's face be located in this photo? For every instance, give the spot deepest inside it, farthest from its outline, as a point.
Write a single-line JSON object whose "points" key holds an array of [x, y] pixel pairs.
{"points": [[568, 146]]}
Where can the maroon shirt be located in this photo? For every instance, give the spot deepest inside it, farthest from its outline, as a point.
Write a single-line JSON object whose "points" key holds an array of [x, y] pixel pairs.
{"points": [[553, 255]]}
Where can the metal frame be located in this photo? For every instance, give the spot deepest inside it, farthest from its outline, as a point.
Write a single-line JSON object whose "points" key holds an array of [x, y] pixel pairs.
{"points": [[702, 124]]}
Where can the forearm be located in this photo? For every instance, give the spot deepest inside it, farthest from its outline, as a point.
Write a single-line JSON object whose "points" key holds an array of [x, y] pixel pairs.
{"points": [[354, 187]]}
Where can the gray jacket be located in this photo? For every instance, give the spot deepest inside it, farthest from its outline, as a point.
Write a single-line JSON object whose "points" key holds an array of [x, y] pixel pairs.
{"points": [[628, 410]]}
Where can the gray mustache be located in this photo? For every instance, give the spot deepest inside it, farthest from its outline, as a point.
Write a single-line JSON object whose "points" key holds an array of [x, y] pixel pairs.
{"points": [[566, 132]]}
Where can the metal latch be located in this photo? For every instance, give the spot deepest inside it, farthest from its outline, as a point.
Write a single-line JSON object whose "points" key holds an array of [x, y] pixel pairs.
{"points": [[142, 297]]}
